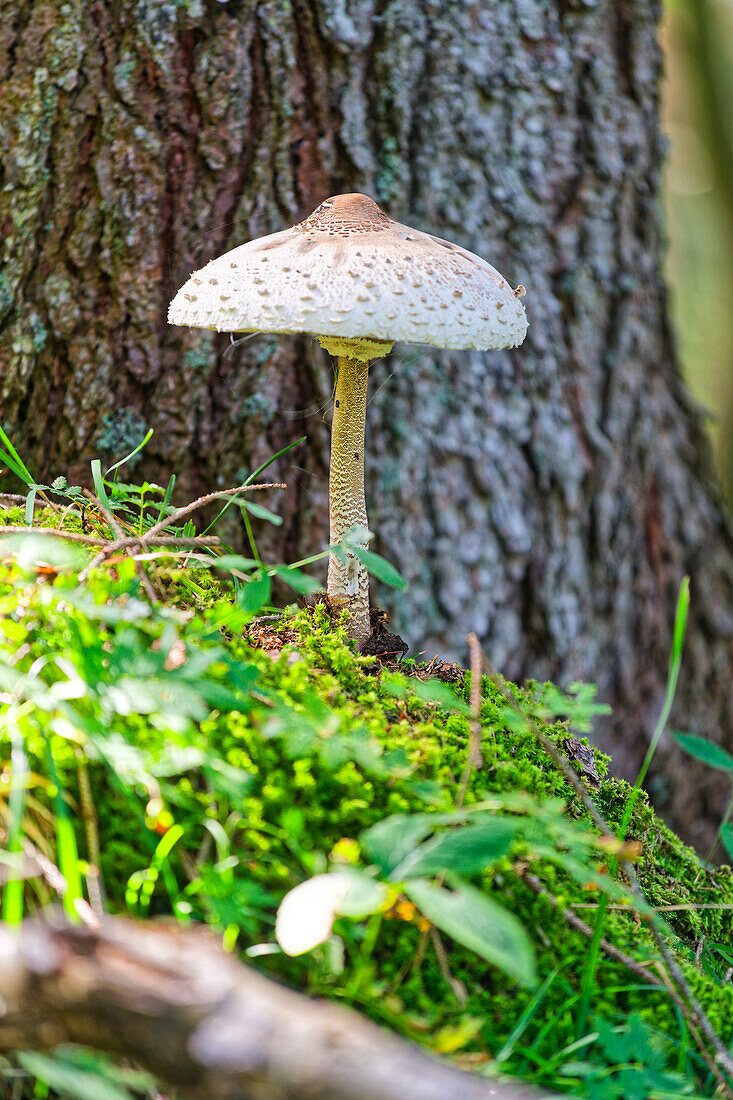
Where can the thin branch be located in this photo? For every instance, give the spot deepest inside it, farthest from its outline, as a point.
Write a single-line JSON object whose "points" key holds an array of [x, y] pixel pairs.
{"points": [[41, 501], [119, 544], [457, 987], [575, 922], [174, 517], [117, 530], [71, 536], [658, 908], [722, 1055], [664, 982], [557, 757], [170, 999], [710, 1062], [473, 757], [144, 542]]}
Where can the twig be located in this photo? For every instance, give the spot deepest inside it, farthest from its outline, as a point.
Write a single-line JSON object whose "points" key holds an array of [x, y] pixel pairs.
{"points": [[117, 530], [48, 869], [613, 952], [636, 968], [40, 501], [144, 542], [174, 517], [119, 544], [64, 514], [473, 757], [722, 1056], [57, 882], [476, 667], [657, 908], [700, 1017], [558, 758], [711, 1063], [71, 536], [457, 987]]}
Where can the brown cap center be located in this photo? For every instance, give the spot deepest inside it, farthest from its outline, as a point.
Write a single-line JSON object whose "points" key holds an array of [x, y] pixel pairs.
{"points": [[353, 213]]}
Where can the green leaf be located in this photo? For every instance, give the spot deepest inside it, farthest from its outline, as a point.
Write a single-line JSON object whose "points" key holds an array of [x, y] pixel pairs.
{"points": [[435, 691], [99, 488], [706, 751], [379, 567], [255, 594], [358, 535], [260, 512], [299, 581], [726, 837], [167, 843], [394, 684], [428, 790], [388, 842], [229, 562], [477, 922], [30, 500], [234, 782], [69, 1079], [464, 850]]}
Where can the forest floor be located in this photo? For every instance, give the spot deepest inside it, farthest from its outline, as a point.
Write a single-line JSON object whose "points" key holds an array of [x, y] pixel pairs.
{"points": [[197, 758]]}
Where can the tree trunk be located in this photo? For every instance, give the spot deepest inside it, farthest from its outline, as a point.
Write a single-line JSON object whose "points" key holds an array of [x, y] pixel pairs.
{"points": [[549, 498]]}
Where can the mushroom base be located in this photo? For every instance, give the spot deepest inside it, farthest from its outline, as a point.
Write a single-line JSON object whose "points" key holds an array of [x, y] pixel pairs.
{"points": [[362, 348], [348, 581]]}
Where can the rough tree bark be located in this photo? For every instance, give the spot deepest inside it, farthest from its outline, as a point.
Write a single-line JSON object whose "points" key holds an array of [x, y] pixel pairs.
{"points": [[549, 499]]}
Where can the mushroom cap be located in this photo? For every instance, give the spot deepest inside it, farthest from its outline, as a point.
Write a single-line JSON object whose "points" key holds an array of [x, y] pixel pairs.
{"points": [[350, 271]]}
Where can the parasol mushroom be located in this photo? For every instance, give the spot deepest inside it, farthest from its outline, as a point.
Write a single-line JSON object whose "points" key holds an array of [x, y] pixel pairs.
{"points": [[358, 281]]}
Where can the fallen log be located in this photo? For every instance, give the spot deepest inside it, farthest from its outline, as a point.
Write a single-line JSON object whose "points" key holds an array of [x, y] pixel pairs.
{"points": [[170, 999]]}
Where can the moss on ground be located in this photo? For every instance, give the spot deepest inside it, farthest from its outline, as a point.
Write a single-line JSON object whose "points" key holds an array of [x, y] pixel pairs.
{"points": [[299, 808], [241, 852]]}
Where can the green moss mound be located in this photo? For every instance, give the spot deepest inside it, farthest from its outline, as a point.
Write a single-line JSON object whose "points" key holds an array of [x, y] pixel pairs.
{"points": [[227, 764]]}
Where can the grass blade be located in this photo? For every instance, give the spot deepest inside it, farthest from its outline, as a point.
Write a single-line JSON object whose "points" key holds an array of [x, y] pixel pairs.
{"points": [[260, 512], [13, 461], [250, 479], [524, 1020], [128, 457], [30, 501], [263, 467], [99, 488], [67, 851], [13, 890], [675, 661]]}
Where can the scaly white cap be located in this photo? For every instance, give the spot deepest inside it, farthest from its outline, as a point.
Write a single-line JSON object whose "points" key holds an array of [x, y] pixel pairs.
{"points": [[350, 272]]}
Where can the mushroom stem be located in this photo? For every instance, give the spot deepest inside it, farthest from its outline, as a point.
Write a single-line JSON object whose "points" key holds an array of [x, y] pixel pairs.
{"points": [[348, 581]]}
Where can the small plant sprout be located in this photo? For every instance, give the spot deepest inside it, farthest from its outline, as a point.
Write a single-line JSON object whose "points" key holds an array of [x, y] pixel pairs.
{"points": [[357, 281]]}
